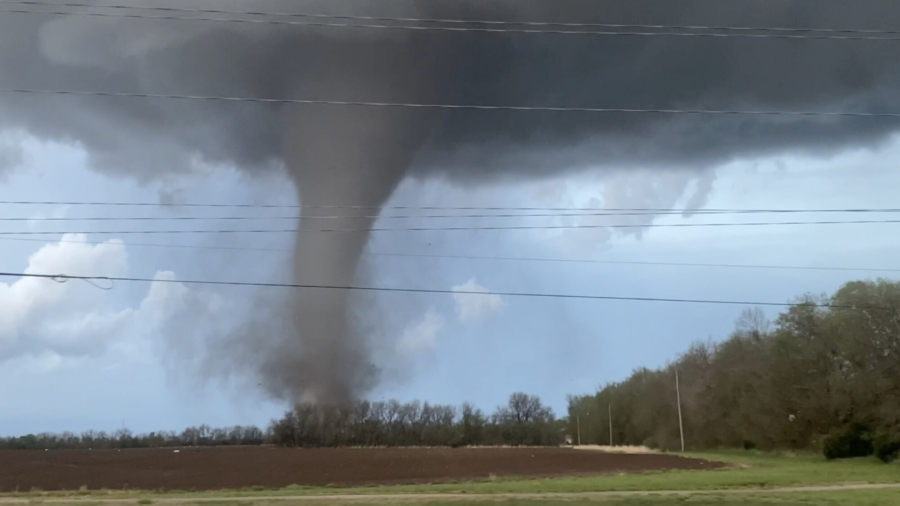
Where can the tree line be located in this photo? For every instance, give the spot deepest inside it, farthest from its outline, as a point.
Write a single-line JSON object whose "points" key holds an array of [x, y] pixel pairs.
{"points": [[203, 435], [824, 374], [815, 377], [524, 421]]}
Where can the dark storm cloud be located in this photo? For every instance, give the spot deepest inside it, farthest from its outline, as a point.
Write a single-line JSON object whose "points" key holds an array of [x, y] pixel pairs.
{"points": [[380, 65], [345, 155]]}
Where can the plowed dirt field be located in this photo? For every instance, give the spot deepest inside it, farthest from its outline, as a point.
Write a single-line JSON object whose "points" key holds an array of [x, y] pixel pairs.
{"points": [[232, 468]]}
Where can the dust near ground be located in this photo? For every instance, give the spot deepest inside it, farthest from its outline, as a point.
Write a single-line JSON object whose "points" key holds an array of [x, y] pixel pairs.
{"points": [[616, 449], [233, 468]]}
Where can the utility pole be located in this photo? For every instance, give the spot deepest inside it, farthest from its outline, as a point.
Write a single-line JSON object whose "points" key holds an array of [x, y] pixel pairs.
{"points": [[680, 423], [578, 423], [610, 424]]}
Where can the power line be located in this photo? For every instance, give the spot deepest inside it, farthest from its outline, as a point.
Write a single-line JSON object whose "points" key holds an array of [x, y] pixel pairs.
{"points": [[173, 205], [451, 229], [477, 257], [296, 101], [724, 32], [313, 217], [630, 262], [57, 277], [397, 217], [445, 20], [328, 217], [445, 208], [148, 245]]}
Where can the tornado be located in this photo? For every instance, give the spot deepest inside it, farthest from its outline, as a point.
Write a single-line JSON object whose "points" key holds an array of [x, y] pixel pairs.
{"points": [[337, 156], [305, 344]]}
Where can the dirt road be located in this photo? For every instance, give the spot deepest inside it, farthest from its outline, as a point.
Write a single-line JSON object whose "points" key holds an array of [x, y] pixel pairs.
{"points": [[413, 498]]}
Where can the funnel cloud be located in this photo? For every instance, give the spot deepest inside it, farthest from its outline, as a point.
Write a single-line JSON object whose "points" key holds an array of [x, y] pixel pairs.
{"points": [[308, 346]]}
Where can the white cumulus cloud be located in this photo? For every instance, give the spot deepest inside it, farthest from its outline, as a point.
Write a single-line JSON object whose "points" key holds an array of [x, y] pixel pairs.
{"points": [[421, 337], [471, 306], [50, 321]]}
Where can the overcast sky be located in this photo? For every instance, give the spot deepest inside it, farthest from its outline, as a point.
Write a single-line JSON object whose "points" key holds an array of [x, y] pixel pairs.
{"points": [[166, 355], [74, 357]]}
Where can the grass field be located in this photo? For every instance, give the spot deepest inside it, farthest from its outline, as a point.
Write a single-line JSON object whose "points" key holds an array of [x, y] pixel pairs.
{"points": [[744, 482], [850, 498], [829, 498]]}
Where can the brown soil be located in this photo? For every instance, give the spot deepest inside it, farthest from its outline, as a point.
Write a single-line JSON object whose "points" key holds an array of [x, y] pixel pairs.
{"points": [[232, 468]]}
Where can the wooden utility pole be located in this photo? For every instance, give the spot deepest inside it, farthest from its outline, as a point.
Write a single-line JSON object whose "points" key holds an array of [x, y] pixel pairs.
{"points": [[610, 424], [680, 423]]}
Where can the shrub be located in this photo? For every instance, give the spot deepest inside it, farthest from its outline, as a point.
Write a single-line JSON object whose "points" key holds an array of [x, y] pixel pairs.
{"points": [[854, 440], [887, 448], [749, 445]]}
